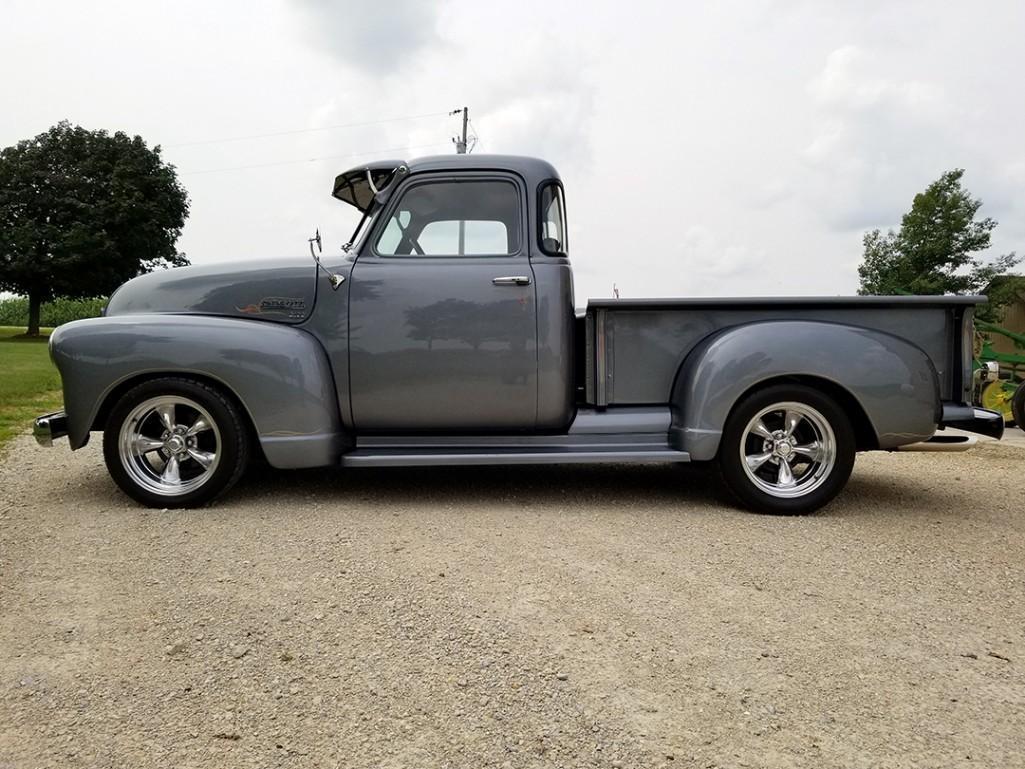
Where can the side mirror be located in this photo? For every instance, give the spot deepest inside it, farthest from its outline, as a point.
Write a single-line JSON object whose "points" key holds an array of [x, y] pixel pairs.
{"points": [[333, 278]]}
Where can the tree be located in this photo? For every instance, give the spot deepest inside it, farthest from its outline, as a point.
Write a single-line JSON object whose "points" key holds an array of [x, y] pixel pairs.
{"points": [[934, 252], [83, 211]]}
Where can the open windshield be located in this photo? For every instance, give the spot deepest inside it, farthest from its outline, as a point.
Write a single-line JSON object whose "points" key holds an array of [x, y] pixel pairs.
{"points": [[359, 187]]}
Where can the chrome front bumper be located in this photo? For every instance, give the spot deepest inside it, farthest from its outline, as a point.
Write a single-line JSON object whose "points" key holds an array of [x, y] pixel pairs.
{"points": [[50, 426]]}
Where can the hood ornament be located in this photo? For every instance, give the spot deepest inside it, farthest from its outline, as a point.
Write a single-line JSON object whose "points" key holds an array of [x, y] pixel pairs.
{"points": [[333, 278]]}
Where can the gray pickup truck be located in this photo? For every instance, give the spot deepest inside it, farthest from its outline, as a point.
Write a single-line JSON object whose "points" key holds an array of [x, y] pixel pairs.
{"points": [[445, 333]]}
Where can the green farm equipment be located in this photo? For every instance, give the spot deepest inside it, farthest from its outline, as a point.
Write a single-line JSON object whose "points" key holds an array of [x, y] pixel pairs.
{"points": [[1006, 392]]}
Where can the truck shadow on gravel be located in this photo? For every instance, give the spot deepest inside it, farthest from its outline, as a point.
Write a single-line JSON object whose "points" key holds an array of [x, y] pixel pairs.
{"points": [[609, 486], [521, 484], [670, 486]]}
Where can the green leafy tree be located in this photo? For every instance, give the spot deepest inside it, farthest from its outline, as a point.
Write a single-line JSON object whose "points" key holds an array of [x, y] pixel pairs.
{"points": [[936, 249], [83, 211]]}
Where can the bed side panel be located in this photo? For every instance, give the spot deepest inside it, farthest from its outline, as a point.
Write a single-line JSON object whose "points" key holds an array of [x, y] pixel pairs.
{"points": [[644, 348]]}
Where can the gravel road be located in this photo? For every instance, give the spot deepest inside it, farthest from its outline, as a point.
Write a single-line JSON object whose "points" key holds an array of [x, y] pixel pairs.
{"points": [[513, 617]]}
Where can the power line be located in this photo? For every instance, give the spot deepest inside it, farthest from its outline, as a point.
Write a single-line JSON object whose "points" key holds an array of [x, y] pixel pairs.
{"points": [[313, 160], [305, 130], [476, 136]]}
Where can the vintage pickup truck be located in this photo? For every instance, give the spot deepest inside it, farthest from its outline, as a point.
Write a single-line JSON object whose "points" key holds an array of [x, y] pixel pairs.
{"points": [[445, 333]]}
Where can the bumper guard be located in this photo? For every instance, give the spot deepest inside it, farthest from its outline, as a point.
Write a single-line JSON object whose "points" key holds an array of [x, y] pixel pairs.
{"points": [[50, 426], [973, 419]]}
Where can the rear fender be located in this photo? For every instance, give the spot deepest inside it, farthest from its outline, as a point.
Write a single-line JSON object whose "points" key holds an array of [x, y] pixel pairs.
{"points": [[893, 381], [280, 375]]}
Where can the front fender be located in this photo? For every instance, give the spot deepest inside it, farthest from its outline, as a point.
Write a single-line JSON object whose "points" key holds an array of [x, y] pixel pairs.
{"points": [[281, 375], [893, 381]]}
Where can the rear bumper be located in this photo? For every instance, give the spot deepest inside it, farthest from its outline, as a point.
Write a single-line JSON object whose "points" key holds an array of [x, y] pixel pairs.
{"points": [[973, 419], [50, 426]]}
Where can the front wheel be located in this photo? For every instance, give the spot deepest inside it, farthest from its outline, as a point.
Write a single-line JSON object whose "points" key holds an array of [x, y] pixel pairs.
{"points": [[787, 449], [175, 442]]}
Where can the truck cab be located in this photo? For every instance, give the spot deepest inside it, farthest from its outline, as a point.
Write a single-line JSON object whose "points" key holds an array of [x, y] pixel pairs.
{"points": [[461, 296]]}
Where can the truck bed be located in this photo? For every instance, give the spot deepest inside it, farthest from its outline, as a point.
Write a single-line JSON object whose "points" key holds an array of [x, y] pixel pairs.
{"points": [[633, 348]]}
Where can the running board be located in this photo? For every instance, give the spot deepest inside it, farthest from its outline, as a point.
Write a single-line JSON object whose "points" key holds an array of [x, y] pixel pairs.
{"points": [[491, 455]]}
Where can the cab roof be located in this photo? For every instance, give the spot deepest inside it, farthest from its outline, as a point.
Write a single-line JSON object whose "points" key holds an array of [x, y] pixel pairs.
{"points": [[359, 186]]}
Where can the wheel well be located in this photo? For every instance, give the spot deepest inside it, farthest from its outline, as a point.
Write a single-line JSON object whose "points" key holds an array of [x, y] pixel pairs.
{"points": [[102, 414], [864, 433]]}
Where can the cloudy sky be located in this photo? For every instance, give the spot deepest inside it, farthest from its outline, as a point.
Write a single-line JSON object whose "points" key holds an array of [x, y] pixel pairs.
{"points": [[732, 148]]}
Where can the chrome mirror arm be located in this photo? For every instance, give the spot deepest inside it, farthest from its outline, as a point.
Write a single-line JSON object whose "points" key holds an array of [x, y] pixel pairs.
{"points": [[333, 278]]}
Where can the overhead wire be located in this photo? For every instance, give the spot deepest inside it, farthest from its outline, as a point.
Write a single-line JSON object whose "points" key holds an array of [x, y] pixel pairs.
{"points": [[476, 134], [304, 130], [476, 141]]}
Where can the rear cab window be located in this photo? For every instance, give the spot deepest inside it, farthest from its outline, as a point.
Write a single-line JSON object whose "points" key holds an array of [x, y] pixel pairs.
{"points": [[552, 235]]}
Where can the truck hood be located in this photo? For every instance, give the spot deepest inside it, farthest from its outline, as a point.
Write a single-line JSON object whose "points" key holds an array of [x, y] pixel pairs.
{"points": [[281, 290]]}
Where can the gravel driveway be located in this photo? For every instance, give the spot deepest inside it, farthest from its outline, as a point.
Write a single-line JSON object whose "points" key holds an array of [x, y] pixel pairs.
{"points": [[517, 617]]}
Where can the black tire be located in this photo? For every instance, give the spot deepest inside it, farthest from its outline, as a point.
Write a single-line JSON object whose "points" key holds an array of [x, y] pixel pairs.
{"points": [[1018, 406], [823, 480], [229, 433]]}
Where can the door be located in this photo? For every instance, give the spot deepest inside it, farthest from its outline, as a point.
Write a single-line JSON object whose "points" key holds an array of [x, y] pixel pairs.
{"points": [[442, 314]]}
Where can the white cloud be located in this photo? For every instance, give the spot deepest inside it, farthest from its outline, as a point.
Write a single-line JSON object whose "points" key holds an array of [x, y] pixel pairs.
{"points": [[372, 37], [867, 156], [848, 83]]}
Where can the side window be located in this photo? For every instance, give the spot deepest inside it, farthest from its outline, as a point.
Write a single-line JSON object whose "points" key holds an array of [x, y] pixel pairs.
{"points": [[553, 233], [389, 239], [473, 218]]}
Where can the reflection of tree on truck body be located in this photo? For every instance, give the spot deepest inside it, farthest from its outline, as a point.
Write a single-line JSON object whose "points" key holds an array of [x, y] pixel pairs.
{"points": [[471, 323]]}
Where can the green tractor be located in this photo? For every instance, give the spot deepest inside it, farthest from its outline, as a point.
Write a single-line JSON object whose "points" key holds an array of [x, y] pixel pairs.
{"points": [[1006, 393]]}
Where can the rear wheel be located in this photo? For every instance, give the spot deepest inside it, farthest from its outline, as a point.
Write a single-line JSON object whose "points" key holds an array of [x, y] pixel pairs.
{"points": [[175, 442], [787, 449]]}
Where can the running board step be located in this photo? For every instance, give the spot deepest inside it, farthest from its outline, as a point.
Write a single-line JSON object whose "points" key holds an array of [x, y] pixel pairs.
{"points": [[491, 455]]}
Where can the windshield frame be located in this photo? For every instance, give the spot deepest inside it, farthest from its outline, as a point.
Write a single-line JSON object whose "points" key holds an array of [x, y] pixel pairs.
{"points": [[363, 229]]}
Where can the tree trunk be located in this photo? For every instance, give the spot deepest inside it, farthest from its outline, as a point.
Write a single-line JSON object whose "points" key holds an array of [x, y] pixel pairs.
{"points": [[34, 302]]}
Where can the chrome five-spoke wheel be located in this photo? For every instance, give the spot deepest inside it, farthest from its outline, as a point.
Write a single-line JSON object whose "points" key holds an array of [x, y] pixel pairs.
{"points": [[788, 449], [175, 442], [169, 445]]}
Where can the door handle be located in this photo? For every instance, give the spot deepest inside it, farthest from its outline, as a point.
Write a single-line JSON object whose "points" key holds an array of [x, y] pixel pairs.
{"points": [[512, 280]]}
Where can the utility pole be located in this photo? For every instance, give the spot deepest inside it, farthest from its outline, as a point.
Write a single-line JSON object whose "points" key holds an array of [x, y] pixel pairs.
{"points": [[461, 150], [461, 143]]}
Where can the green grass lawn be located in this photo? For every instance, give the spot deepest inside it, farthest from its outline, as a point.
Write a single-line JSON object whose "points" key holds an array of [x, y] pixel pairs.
{"points": [[29, 384]]}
